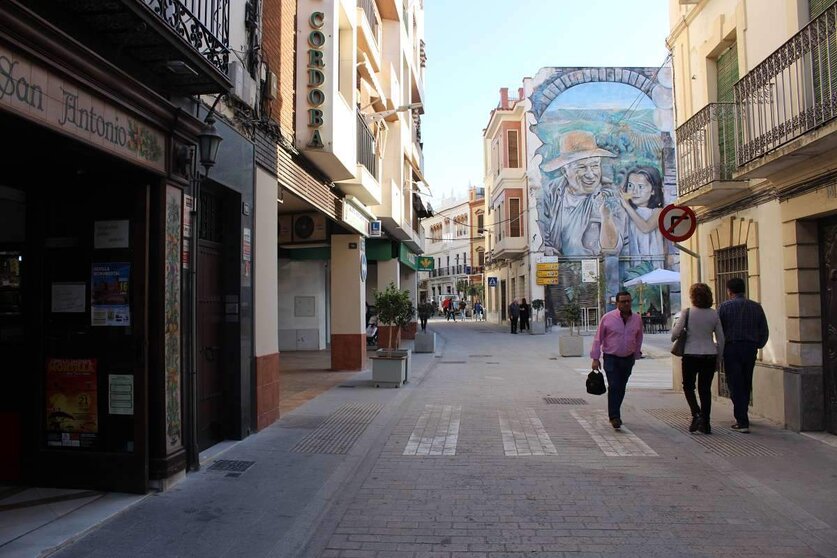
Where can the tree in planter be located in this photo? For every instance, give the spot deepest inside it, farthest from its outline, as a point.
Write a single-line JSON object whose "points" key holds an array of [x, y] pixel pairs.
{"points": [[394, 309], [475, 291], [462, 286], [537, 306], [571, 314]]}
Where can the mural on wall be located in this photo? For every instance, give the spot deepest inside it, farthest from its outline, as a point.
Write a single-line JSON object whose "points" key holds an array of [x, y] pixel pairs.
{"points": [[601, 168]]}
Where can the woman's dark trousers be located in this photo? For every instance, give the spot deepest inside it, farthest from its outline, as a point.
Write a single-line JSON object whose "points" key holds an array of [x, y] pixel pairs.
{"points": [[702, 369]]}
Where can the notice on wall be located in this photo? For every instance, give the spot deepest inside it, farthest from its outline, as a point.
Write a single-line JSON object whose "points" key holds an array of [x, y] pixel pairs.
{"points": [[69, 297], [109, 294], [246, 245], [71, 408], [110, 234], [589, 271], [120, 394]]}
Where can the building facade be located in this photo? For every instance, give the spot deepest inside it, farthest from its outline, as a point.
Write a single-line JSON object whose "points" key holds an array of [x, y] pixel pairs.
{"points": [[755, 129], [448, 243]]}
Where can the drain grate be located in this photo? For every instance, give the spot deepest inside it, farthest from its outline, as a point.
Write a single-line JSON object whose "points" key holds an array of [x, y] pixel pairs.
{"points": [[565, 401], [340, 430], [491, 362], [480, 356], [231, 465], [723, 441], [452, 362]]}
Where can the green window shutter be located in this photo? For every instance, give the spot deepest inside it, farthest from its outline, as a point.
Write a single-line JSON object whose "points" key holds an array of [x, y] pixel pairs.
{"points": [[816, 7], [727, 66]]}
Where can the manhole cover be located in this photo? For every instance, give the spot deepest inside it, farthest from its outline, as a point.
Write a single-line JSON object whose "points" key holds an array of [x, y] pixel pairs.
{"points": [[723, 441], [565, 401], [553, 358], [231, 465]]}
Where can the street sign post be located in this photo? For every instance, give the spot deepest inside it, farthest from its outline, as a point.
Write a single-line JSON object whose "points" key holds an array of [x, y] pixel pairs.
{"points": [[492, 281], [677, 222]]}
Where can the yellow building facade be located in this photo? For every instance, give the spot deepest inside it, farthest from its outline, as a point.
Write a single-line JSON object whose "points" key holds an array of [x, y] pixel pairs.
{"points": [[755, 85]]}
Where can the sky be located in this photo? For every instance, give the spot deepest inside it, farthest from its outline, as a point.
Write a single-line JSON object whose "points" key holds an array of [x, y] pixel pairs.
{"points": [[475, 47]]}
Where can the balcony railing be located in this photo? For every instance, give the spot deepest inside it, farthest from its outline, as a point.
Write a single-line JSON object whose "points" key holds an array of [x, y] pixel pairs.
{"points": [[791, 92], [366, 154], [205, 24], [371, 11], [706, 147]]}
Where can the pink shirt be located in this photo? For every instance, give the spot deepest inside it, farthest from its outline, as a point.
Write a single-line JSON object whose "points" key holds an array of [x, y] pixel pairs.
{"points": [[616, 337]]}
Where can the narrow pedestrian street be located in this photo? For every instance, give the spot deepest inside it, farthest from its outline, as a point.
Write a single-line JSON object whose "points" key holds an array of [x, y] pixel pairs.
{"points": [[493, 449]]}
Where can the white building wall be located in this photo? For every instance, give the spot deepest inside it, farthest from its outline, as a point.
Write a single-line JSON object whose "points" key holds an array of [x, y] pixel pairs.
{"points": [[302, 278], [265, 270]]}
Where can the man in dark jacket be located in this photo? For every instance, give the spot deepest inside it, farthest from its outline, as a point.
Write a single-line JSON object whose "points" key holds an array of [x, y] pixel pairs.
{"points": [[514, 314], [745, 331]]}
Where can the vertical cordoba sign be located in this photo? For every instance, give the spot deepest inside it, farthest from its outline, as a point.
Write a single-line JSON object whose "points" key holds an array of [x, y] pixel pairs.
{"points": [[316, 78]]}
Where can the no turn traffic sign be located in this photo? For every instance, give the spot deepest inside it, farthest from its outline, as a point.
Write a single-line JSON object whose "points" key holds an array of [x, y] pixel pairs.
{"points": [[677, 222]]}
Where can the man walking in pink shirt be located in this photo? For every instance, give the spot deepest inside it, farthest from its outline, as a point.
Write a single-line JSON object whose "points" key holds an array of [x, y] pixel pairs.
{"points": [[619, 338]]}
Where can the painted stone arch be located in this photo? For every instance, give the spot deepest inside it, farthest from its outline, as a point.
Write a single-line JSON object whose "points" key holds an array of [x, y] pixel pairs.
{"points": [[560, 82]]}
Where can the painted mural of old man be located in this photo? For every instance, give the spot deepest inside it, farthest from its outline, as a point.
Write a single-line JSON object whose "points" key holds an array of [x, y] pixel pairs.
{"points": [[579, 214]]}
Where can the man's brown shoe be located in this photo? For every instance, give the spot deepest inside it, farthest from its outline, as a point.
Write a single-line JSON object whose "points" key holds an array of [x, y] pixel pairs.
{"points": [[616, 423]]}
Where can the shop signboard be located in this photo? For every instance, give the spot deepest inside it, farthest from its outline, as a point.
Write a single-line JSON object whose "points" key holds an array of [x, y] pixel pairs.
{"points": [[546, 280], [426, 264], [72, 418]]}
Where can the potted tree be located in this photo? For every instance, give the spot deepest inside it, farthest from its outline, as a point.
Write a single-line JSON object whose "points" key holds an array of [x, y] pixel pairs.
{"points": [[425, 340], [537, 327], [571, 344], [389, 365]]}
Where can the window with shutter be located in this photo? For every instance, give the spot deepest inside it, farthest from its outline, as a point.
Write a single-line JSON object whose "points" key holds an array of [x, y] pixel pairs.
{"points": [[514, 217], [823, 54], [512, 143], [727, 67]]}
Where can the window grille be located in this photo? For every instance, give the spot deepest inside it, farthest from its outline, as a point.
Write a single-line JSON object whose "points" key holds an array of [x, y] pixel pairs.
{"points": [[729, 263]]}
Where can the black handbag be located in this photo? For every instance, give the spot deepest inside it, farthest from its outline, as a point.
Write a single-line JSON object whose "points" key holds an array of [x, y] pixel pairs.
{"points": [[679, 345], [596, 383]]}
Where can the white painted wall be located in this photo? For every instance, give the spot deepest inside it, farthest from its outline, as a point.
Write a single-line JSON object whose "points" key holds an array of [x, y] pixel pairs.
{"points": [[265, 280], [301, 278]]}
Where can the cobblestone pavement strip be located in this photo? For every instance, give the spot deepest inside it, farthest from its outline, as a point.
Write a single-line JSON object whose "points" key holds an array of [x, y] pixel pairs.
{"points": [[469, 460]]}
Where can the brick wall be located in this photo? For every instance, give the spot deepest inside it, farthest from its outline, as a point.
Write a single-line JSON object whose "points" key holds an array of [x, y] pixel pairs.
{"points": [[279, 52]]}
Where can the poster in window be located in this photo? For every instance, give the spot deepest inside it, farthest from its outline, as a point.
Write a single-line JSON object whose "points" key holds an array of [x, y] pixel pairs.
{"points": [[72, 418], [109, 294]]}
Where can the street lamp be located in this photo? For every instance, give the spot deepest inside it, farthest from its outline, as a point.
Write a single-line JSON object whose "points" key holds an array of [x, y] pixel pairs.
{"points": [[378, 116], [209, 140]]}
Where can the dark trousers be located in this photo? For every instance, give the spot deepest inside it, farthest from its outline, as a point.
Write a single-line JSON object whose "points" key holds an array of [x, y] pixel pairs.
{"points": [[513, 324], [423, 323], [618, 370], [524, 322], [702, 369], [739, 362]]}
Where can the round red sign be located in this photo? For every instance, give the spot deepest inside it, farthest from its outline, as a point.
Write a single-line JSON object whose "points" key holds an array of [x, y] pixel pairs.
{"points": [[677, 222]]}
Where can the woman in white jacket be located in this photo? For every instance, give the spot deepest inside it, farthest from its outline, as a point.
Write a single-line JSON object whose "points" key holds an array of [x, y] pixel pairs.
{"points": [[702, 353]]}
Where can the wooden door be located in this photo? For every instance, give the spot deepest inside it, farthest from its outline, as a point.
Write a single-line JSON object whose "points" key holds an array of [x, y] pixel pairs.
{"points": [[828, 265], [211, 401]]}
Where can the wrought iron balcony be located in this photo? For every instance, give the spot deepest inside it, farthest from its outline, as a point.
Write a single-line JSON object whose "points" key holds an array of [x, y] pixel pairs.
{"points": [[706, 148], [792, 92], [174, 46], [366, 153]]}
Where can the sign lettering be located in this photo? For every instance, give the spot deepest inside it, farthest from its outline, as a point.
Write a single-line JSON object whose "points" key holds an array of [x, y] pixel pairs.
{"points": [[316, 78]]}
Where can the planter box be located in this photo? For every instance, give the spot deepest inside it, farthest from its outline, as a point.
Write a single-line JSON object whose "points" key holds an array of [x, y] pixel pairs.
{"points": [[425, 342], [571, 345], [389, 368], [537, 328]]}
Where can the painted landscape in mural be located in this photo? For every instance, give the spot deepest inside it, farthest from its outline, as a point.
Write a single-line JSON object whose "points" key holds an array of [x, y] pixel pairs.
{"points": [[601, 168]]}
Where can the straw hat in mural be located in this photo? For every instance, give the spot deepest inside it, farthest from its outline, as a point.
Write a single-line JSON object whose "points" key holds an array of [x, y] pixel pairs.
{"points": [[574, 146]]}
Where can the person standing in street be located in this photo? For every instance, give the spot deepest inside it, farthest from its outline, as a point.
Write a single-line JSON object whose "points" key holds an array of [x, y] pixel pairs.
{"points": [[524, 315], [514, 314], [702, 353], [619, 340], [745, 329]]}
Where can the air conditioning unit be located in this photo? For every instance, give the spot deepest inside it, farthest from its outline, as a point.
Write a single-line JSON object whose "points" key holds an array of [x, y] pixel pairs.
{"points": [[309, 227], [271, 86], [374, 228], [244, 86]]}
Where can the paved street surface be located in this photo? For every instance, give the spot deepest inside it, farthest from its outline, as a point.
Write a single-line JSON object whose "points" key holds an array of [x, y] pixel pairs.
{"points": [[494, 449]]}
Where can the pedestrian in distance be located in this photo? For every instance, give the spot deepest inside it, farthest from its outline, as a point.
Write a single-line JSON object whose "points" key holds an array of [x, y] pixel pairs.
{"points": [[702, 353], [745, 331], [525, 311], [618, 341], [425, 310], [478, 311], [514, 315]]}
